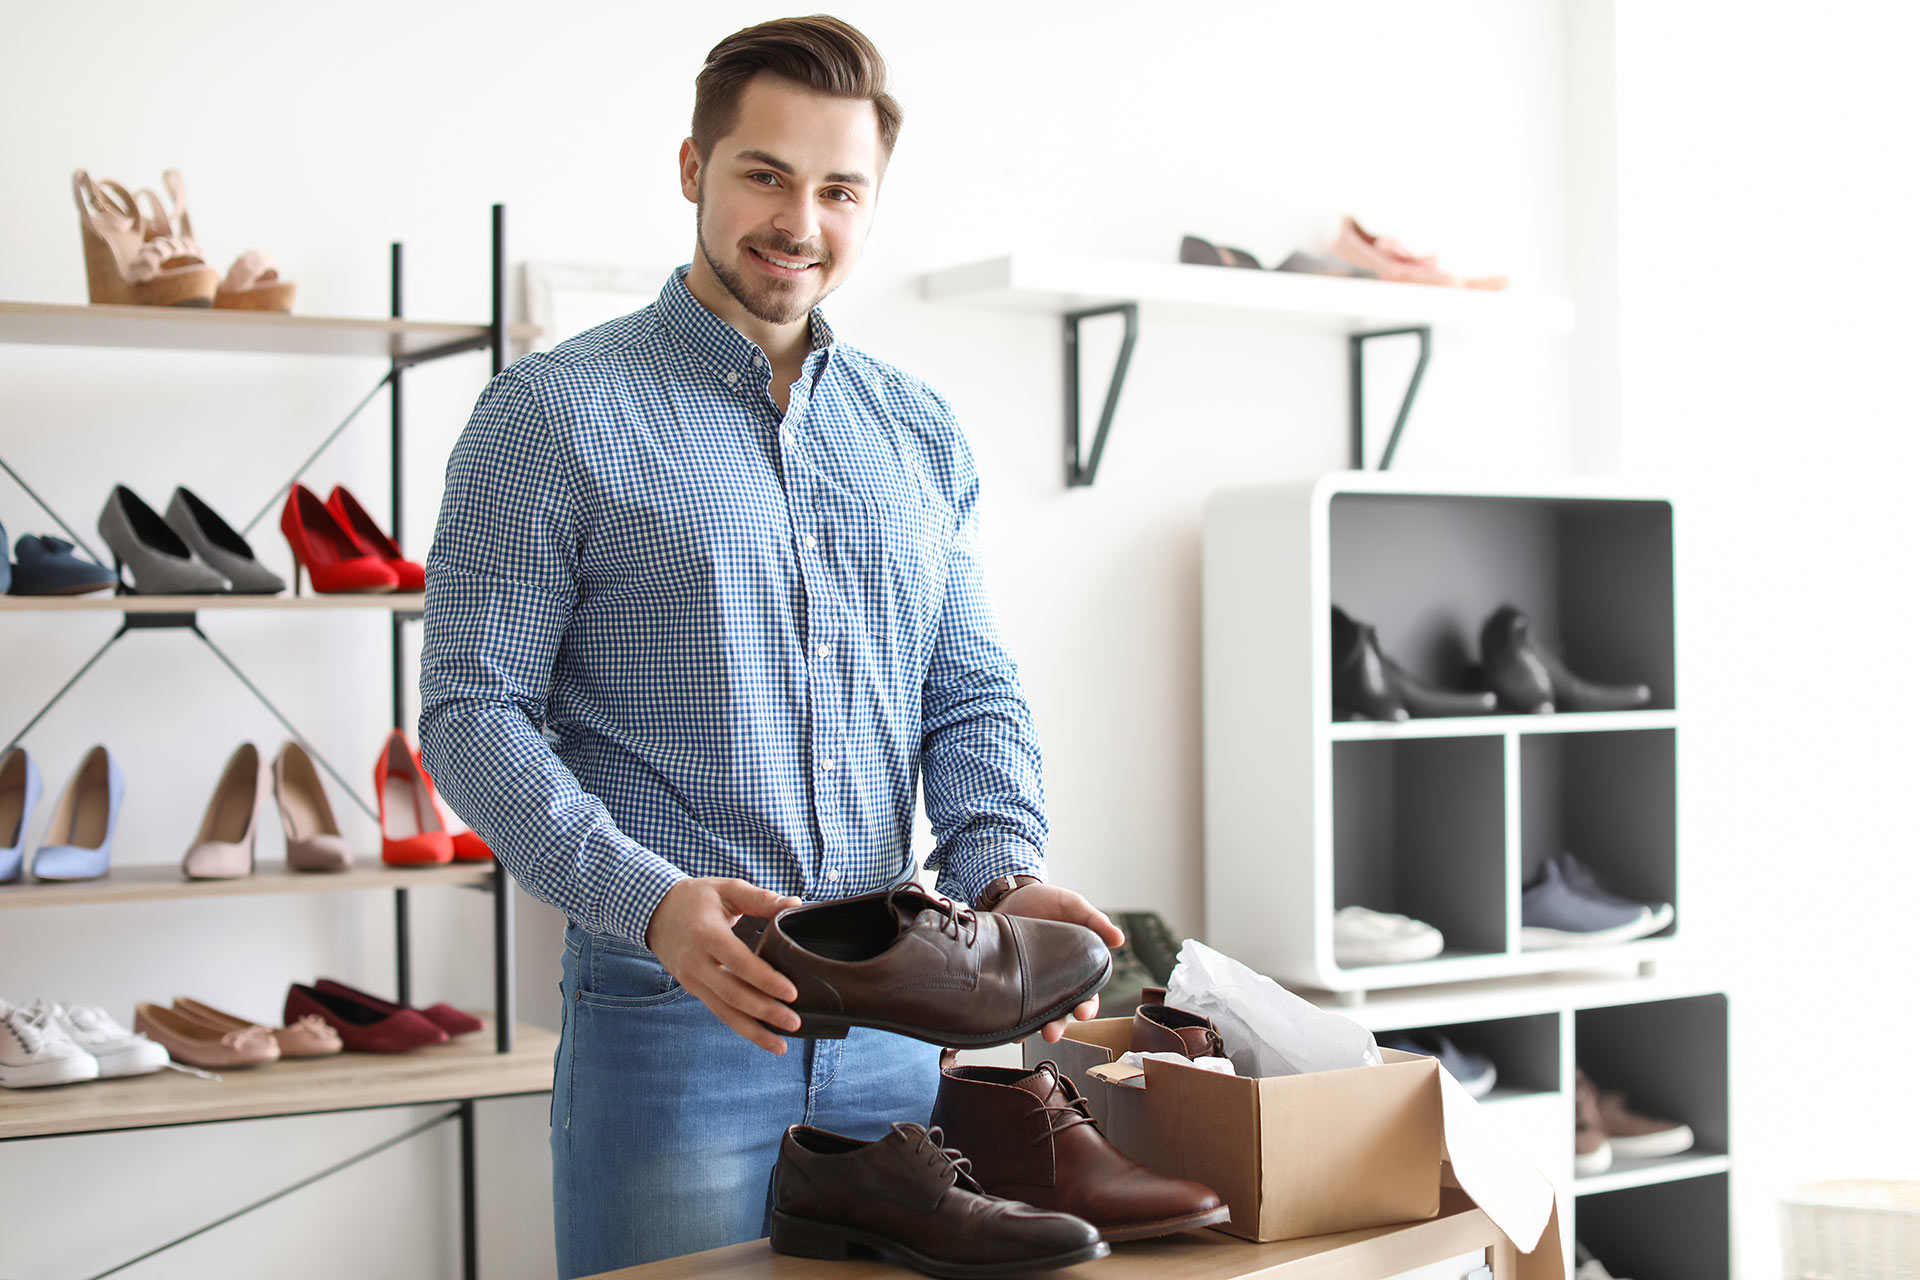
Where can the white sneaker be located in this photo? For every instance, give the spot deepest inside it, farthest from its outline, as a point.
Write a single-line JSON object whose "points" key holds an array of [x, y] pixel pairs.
{"points": [[1362, 936], [35, 1051], [119, 1052]]}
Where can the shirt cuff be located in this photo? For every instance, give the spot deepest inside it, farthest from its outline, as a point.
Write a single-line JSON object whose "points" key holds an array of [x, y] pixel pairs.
{"points": [[626, 909], [966, 872]]}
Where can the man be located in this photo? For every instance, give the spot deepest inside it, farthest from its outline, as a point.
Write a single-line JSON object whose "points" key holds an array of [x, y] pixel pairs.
{"points": [[726, 563]]}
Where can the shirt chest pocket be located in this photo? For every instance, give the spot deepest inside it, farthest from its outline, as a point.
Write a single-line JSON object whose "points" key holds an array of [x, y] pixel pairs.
{"points": [[900, 542]]}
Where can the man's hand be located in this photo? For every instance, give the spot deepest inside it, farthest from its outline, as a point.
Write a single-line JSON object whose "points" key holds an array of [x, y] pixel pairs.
{"points": [[691, 932], [1051, 902]]}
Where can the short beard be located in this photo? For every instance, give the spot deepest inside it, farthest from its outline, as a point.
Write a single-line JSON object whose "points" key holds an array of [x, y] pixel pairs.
{"points": [[770, 305]]}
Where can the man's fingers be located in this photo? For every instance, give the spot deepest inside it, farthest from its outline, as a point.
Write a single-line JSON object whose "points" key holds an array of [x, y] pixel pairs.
{"points": [[751, 1001], [1087, 1009], [745, 899], [732, 955], [1054, 1030], [739, 1023], [1097, 921]]}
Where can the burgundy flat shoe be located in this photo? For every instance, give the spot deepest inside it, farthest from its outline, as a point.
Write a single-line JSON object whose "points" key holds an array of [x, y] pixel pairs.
{"points": [[363, 1029], [444, 1016]]}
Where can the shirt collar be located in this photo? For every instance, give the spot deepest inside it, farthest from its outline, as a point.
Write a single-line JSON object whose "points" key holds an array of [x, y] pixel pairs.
{"points": [[736, 359]]}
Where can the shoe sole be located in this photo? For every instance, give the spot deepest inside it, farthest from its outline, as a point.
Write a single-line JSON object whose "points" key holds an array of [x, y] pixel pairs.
{"points": [[59, 1071], [1597, 1162], [819, 1026], [1533, 938], [1167, 1226], [805, 1238], [1403, 953], [1654, 1146]]}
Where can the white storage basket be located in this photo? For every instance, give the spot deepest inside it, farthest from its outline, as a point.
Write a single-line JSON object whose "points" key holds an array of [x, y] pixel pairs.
{"points": [[1851, 1231]]}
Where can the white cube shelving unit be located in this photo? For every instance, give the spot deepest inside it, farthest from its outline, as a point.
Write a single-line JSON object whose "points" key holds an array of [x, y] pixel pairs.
{"points": [[1446, 819]]}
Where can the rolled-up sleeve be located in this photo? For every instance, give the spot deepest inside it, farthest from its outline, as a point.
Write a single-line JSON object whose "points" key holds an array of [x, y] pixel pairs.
{"points": [[500, 592], [980, 756]]}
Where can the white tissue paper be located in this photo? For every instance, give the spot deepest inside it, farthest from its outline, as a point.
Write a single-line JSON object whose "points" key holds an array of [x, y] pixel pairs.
{"points": [[1268, 1030], [1137, 1061]]}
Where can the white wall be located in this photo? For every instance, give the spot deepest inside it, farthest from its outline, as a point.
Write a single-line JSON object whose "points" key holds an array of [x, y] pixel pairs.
{"points": [[1102, 128]]}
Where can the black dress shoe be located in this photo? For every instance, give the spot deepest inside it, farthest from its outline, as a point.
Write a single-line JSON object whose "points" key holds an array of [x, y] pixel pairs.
{"points": [[1360, 684], [1528, 677]]}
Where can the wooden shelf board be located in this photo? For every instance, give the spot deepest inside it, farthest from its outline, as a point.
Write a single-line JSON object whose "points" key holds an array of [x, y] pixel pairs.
{"points": [[1059, 283], [107, 603], [1646, 1173], [1493, 726], [217, 329], [152, 883], [464, 1068], [1194, 1255]]}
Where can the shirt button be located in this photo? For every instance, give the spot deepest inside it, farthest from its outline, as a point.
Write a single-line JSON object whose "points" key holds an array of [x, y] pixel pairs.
{"points": [[809, 542], [786, 436], [820, 651], [826, 766], [732, 377], [833, 873]]}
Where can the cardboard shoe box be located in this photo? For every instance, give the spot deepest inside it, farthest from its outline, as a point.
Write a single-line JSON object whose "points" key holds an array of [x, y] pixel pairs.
{"points": [[1311, 1155]]}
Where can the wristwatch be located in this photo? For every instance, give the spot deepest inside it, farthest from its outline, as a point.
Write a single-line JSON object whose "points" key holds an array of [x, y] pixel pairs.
{"points": [[997, 889]]}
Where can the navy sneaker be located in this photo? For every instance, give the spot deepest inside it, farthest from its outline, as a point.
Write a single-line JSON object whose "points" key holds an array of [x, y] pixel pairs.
{"points": [[47, 567], [1566, 910], [1474, 1071]]}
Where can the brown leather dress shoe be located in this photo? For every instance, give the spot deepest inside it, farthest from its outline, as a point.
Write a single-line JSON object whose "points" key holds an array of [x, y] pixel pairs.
{"points": [[1161, 1028], [911, 962], [1028, 1137], [907, 1197]]}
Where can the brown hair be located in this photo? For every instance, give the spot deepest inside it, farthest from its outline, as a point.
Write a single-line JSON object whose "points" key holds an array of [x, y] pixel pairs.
{"points": [[820, 53]]}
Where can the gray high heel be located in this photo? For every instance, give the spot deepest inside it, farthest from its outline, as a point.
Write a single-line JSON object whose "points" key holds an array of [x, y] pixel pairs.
{"points": [[215, 542], [161, 562]]}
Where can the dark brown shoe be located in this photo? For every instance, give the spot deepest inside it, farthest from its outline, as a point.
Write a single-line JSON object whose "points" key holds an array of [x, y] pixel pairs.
{"points": [[911, 962], [1028, 1136], [1160, 1028], [907, 1197]]}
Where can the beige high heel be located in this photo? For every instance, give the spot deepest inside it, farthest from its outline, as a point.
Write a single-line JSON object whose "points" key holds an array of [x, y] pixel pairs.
{"points": [[253, 283], [127, 268], [224, 849]]}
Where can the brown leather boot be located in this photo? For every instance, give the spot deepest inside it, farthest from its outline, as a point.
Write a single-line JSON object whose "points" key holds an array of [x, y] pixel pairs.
{"points": [[911, 1199], [1029, 1137], [1160, 1028]]}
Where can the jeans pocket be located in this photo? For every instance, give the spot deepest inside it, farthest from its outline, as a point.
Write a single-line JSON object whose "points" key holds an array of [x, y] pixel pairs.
{"points": [[617, 978]]}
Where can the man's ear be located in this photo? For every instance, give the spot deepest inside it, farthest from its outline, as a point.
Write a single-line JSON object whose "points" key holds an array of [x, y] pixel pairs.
{"points": [[690, 171]]}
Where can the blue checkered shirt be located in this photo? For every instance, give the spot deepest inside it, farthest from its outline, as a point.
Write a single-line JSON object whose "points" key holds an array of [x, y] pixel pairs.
{"points": [[671, 631]]}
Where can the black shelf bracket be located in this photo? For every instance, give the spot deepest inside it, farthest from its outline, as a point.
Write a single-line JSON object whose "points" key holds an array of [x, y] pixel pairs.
{"points": [[1356, 375], [1080, 473]]}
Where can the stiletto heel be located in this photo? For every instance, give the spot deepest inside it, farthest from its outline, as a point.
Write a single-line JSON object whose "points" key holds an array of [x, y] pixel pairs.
{"points": [[411, 830], [373, 540], [331, 558]]}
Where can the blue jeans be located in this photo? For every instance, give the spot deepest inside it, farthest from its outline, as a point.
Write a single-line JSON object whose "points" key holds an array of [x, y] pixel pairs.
{"points": [[666, 1124]]}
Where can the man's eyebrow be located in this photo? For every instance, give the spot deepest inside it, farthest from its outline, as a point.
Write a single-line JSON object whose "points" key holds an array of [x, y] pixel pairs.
{"points": [[775, 162]]}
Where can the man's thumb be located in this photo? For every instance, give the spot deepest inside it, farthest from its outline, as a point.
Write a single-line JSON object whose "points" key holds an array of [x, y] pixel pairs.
{"points": [[746, 899]]}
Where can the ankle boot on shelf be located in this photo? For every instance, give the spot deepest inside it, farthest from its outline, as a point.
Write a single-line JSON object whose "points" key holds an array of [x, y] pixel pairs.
{"points": [[1369, 684], [1030, 1138], [412, 832], [224, 550], [125, 266], [324, 550], [373, 541], [161, 562], [314, 842], [1529, 677], [224, 848], [19, 793], [78, 843]]}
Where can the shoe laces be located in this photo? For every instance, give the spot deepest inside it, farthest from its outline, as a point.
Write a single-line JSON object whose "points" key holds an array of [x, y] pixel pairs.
{"points": [[33, 1024], [940, 1156], [955, 920], [1074, 1108]]}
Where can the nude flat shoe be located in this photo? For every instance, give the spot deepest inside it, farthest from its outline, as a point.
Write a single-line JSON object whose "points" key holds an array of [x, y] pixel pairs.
{"points": [[308, 1037], [198, 1045], [1392, 260], [314, 842], [224, 848]]}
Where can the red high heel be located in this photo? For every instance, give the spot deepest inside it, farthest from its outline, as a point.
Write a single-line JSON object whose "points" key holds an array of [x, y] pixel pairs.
{"points": [[412, 832], [321, 547], [373, 540], [467, 845]]}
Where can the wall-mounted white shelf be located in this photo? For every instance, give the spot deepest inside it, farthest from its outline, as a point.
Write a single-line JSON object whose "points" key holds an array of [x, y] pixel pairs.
{"points": [[1060, 283], [219, 329], [1443, 820]]}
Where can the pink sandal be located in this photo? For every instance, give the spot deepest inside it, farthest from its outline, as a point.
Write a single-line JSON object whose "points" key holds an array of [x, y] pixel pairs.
{"points": [[128, 266], [253, 283]]}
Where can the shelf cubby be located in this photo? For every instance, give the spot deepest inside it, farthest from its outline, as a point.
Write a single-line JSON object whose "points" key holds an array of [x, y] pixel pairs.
{"points": [[1661, 1231]]}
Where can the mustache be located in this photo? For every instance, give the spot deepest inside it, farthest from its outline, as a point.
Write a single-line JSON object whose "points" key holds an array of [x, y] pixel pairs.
{"points": [[789, 249]]}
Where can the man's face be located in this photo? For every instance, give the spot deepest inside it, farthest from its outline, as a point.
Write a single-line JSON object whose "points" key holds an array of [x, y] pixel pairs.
{"points": [[786, 199]]}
